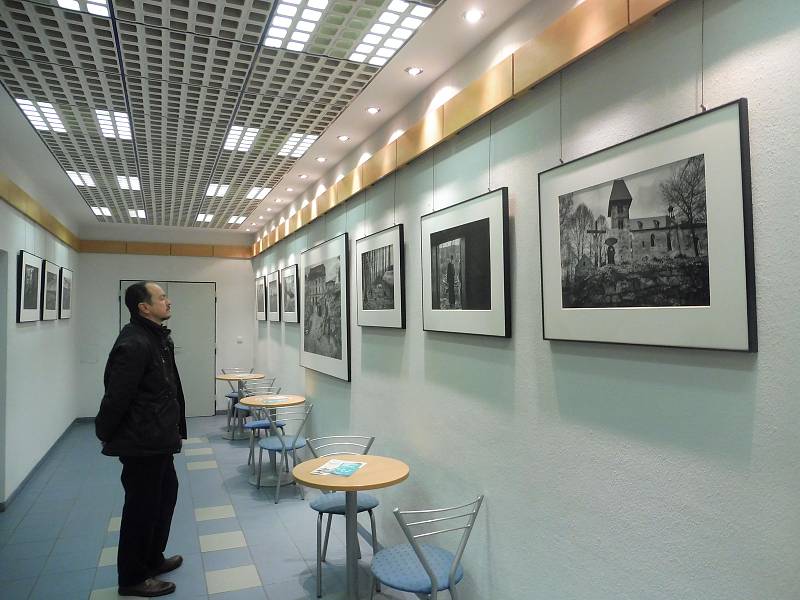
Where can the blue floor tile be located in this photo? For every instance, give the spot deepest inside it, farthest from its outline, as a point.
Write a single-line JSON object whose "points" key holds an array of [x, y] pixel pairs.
{"points": [[64, 586], [17, 590]]}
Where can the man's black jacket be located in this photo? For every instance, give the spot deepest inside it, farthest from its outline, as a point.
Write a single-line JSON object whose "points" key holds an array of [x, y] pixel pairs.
{"points": [[143, 411]]}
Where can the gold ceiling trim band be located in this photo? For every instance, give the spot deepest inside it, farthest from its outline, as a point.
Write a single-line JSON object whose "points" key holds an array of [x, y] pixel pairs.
{"points": [[17, 198], [576, 33]]}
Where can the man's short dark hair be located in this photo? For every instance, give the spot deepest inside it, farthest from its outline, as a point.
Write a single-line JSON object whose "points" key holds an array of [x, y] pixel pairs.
{"points": [[136, 294]]}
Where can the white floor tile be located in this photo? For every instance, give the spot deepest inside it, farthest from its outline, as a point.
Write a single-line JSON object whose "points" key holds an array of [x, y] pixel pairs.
{"points": [[210, 513], [230, 580], [222, 541]]}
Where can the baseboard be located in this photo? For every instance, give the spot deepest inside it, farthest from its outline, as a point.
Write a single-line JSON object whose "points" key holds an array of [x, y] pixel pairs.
{"points": [[222, 411], [15, 493]]}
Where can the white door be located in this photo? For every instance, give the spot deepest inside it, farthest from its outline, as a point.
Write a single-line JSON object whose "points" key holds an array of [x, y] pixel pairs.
{"points": [[193, 332]]}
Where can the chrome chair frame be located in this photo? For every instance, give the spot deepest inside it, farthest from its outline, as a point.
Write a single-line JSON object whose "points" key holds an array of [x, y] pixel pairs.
{"points": [[426, 523], [297, 414], [328, 448], [261, 390]]}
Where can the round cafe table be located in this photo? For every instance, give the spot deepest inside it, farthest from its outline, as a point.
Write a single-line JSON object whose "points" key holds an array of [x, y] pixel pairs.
{"points": [[265, 404], [378, 472], [240, 379]]}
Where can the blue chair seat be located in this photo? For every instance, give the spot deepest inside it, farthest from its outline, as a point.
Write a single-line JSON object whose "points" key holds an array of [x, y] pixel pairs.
{"points": [[399, 567], [273, 443], [241, 407], [335, 503], [263, 424]]}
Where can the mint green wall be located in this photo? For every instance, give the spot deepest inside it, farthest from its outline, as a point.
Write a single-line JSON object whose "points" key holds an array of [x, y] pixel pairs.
{"points": [[610, 471]]}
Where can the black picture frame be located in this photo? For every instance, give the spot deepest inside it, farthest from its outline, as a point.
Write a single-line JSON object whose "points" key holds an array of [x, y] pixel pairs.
{"points": [[66, 288], [466, 275], [274, 301], [687, 284], [289, 295], [325, 339], [29, 282], [50, 289], [378, 254], [261, 298]]}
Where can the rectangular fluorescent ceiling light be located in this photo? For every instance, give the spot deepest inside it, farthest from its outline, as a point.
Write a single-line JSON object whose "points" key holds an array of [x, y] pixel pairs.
{"points": [[297, 144], [114, 124], [240, 138], [258, 193], [128, 183], [216, 189], [81, 178], [101, 211], [293, 23], [204, 218], [95, 7], [237, 220], [42, 115], [394, 26], [137, 214]]}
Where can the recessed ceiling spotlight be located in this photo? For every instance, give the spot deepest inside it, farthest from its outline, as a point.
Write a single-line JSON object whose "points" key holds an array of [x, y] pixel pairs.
{"points": [[414, 71], [343, 138], [247, 230], [303, 176], [261, 216], [473, 15], [278, 200], [269, 210], [290, 189], [373, 110]]}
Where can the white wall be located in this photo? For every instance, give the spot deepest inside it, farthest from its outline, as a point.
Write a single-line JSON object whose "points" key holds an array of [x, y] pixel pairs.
{"points": [[610, 471], [98, 311], [41, 387]]}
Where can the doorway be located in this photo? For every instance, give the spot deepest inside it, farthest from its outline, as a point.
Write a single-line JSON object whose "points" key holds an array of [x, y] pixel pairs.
{"points": [[193, 325]]}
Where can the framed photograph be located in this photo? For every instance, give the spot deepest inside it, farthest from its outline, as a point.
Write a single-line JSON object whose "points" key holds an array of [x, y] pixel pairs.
{"points": [[465, 267], [651, 241], [29, 281], [273, 296], [290, 311], [65, 294], [324, 308], [49, 291], [261, 298], [380, 279]]}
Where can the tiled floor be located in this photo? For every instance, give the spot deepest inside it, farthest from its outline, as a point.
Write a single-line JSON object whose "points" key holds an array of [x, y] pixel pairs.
{"points": [[58, 537]]}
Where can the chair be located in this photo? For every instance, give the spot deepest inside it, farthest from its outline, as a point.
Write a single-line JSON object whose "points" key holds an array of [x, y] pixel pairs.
{"points": [[422, 568], [233, 395], [333, 503], [277, 441], [250, 388], [256, 426]]}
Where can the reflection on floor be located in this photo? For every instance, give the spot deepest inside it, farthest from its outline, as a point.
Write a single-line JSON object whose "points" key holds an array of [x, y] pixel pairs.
{"points": [[58, 537]]}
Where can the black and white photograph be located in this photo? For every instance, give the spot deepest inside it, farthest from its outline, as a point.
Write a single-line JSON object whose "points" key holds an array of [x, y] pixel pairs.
{"points": [[461, 268], [380, 279], [29, 280], [650, 241], [65, 294], [465, 263], [49, 291], [640, 240], [273, 296], [261, 298], [325, 341], [290, 312]]}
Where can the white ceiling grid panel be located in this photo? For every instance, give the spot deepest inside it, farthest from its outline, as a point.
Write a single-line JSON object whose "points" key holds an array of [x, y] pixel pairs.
{"points": [[186, 71]]}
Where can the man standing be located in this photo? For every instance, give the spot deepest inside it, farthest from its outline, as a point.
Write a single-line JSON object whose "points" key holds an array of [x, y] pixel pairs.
{"points": [[142, 419]]}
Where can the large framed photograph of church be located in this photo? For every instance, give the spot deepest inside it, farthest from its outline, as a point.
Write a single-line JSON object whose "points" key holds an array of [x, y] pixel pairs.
{"points": [[650, 241], [324, 308], [465, 267], [379, 279]]}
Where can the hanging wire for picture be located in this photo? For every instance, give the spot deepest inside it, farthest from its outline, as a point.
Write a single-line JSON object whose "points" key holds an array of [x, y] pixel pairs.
{"points": [[561, 117], [490, 153], [702, 56]]}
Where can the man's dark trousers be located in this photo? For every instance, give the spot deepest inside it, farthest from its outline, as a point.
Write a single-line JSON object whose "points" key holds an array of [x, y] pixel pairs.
{"points": [[151, 490]]}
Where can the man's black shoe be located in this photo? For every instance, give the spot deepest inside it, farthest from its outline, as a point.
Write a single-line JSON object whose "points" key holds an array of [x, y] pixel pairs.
{"points": [[169, 564], [149, 588]]}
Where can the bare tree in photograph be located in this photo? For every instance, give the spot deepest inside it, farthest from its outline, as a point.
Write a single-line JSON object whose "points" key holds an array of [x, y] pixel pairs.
{"points": [[686, 190]]}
